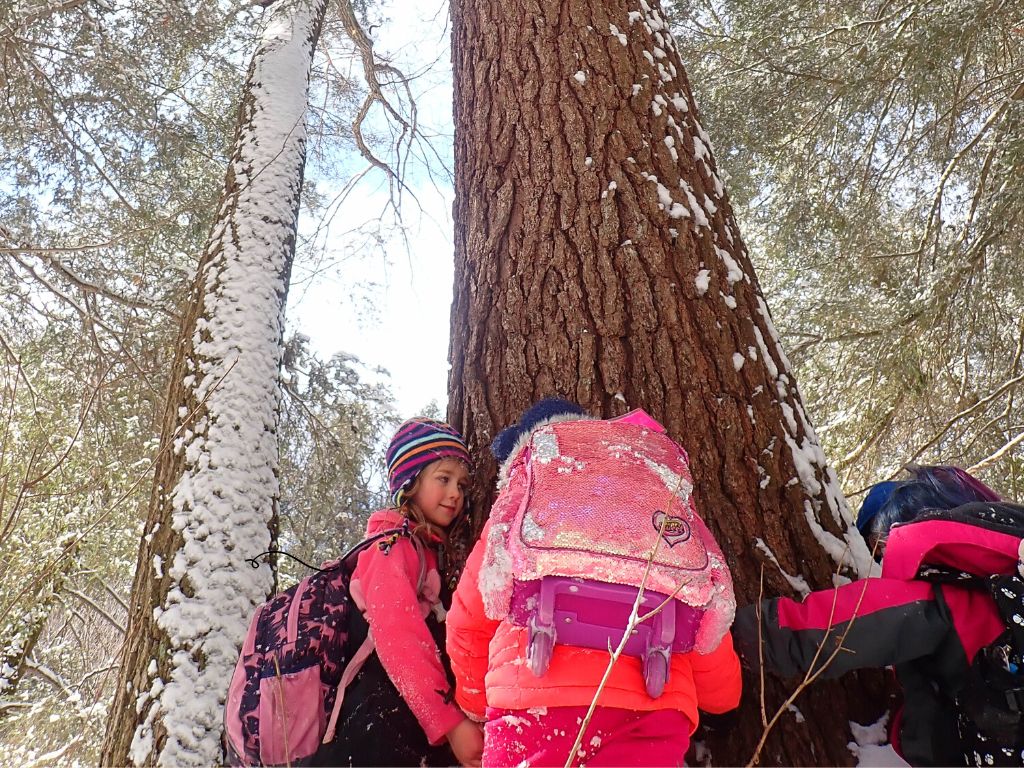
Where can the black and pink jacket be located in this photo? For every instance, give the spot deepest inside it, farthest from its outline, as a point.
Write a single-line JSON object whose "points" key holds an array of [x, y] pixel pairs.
{"points": [[929, 632]]}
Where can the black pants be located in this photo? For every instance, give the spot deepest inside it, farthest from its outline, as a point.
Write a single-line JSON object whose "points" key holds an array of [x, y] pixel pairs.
{"points": [[376, 726]]}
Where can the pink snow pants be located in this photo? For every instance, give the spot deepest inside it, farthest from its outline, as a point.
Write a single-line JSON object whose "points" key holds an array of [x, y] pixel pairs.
{"points": [[614, 737]]}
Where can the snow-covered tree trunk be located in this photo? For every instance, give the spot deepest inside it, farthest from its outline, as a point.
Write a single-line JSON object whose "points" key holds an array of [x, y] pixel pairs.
{"points": [[215, 493], [597, 258]]}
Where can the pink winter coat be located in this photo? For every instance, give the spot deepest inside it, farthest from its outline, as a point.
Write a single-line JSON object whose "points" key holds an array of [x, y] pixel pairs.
{"points": [[383, 586], [488, 661]]}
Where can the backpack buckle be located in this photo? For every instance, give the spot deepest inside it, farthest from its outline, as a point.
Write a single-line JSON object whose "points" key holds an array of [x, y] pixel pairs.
{"points": [[388, 541], [1015, 699]]}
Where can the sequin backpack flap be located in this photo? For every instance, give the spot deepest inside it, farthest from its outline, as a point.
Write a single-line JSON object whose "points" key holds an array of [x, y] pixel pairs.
{"points": [[583, 506]]}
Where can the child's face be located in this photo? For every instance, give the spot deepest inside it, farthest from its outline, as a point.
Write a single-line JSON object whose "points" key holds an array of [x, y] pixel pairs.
{"points": [[440, 492]]}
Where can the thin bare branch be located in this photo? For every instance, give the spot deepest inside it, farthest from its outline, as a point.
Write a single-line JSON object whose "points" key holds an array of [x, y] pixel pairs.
{"points": [[97, 608], [812, 673], [997, 455], [1006, 385]]}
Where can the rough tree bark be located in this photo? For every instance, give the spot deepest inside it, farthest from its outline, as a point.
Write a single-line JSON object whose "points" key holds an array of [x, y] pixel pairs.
{"points": [[214, 499], [597, 258]]}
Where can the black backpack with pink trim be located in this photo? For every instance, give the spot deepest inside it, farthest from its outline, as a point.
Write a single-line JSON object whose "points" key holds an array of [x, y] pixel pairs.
{"points": [[286, 692], [990, 706]]}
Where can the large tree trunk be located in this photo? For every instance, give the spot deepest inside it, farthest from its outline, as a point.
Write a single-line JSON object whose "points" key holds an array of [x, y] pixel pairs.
{"points": [[597, 258], [214, 500]]}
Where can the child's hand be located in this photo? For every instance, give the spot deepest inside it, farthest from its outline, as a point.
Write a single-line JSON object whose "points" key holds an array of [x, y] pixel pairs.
{"points": [[467, 742]]}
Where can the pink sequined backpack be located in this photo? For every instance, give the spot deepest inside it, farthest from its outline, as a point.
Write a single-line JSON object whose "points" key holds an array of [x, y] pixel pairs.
{"points": [[582, 504]]}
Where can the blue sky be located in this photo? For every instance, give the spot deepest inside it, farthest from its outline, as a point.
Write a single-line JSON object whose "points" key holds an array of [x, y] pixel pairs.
{"points": [[399, 317]]}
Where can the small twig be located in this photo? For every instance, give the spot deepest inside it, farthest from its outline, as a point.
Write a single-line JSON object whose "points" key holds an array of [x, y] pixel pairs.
{"points": [[96, 607], [760, 647], [23, 486], [93, 673], [4, 705], [88, 286], [9, 349], [78, 432], [809, 676], [630, 625], [1006, 385], [634, 620], [113, 594], [994, 457], [45, 673], [664, 603]]}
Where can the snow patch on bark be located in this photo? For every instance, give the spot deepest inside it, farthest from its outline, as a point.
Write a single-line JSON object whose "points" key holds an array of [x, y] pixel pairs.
{"points": [[798, 583], [702, 281]]}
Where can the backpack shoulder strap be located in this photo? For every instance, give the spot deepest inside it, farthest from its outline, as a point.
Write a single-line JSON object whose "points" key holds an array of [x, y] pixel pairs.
{"points": [[421, 555], [385, 540], [1008, 592]]}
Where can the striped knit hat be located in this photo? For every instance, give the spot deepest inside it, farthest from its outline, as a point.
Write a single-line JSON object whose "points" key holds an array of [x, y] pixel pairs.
{"points": [[418, 442]]}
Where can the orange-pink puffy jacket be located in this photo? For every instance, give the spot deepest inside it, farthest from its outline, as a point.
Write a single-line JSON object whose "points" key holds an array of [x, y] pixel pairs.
{"points": [[489, 661]]}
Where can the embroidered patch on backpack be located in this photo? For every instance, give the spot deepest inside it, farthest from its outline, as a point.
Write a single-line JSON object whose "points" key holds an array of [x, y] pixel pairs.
{"points": [[675, 530]]}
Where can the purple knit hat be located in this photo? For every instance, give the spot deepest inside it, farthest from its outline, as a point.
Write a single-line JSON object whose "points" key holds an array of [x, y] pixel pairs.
{"points": [[416, 444]]}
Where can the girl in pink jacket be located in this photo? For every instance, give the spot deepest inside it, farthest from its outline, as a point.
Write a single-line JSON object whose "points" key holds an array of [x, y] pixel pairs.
{"points": [[400, 709], [580, 504]]}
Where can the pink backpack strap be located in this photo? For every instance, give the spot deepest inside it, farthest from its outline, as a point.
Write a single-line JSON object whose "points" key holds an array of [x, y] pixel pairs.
{"points": [[249, 646], [356, 664], [641, 418], [293, 612]]}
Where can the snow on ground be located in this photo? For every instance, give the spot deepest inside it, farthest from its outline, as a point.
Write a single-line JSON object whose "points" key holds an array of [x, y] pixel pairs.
{"points": [[870, 745]]}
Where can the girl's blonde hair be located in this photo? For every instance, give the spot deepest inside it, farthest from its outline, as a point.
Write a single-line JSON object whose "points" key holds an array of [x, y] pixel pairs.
{"points": [[423, 527]]}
